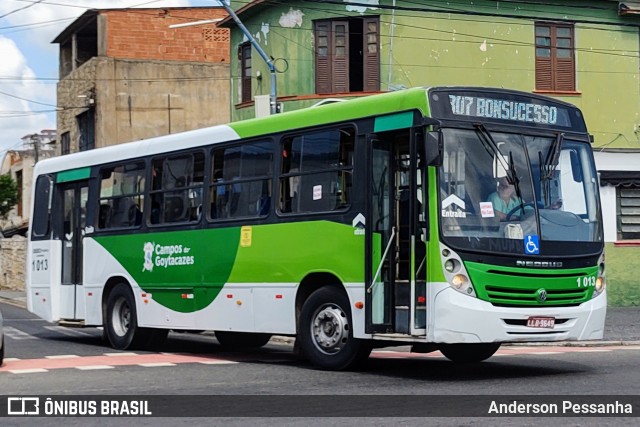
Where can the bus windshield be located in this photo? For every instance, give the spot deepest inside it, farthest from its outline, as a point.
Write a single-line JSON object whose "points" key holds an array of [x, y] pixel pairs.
{"points": [[498, 188]]}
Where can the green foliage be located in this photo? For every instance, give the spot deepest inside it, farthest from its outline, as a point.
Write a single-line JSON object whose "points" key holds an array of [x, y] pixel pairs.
{"points": [[8, 194], [623, 282]]}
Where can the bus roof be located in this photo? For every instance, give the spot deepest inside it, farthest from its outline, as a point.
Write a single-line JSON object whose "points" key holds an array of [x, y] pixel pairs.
{"points": [[368, 106]]}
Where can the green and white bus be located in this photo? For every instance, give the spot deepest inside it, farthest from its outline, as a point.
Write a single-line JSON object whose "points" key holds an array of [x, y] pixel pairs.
{"points": [[351, 225]]}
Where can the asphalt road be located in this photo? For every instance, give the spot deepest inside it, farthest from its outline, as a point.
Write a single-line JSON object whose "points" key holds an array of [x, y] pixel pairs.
{"points": [[46, 360]]}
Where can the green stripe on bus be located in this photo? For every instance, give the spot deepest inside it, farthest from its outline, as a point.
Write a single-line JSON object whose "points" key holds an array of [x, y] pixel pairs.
{"points": [[73, 175], [393, 121]]}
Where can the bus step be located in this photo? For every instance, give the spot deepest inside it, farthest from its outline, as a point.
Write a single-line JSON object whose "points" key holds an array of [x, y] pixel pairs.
{"points": [[71, 323]]}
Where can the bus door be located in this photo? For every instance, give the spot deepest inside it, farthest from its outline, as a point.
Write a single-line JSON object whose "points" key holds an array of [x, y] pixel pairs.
{"points": [[73, 198], [395, 234]]}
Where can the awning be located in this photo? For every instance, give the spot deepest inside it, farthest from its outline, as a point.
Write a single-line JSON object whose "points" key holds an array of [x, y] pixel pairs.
{"points": [[620, 178]]}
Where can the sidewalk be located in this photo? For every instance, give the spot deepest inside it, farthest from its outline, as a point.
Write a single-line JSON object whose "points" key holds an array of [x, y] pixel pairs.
{"points": [[622, 325]]}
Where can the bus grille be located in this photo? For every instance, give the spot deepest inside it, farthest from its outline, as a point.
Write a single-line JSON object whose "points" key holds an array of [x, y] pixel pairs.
{"points": [[506, 296]]}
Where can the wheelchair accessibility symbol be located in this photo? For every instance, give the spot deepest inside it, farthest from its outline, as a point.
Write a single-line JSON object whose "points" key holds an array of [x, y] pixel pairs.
{"points": [[531, 246]]}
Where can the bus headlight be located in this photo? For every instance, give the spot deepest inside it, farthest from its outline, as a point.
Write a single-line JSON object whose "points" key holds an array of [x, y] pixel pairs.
{"points": [[601, 282], [458, 280], [455, 273]]}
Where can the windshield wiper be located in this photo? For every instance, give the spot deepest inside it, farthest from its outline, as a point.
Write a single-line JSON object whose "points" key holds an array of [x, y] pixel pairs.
{"points": [[510, 169], [492, 148], [551, 161]]}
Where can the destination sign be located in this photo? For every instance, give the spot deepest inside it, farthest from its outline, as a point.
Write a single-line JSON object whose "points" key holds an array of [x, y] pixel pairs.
{"points": [[505, 106], [503, 109]]}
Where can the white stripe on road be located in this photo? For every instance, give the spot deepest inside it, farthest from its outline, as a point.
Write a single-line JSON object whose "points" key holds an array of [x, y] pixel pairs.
{"points": [[17, 334], [28, 371], [69, 332], [94, 367], [153, 365], [62, 356]]}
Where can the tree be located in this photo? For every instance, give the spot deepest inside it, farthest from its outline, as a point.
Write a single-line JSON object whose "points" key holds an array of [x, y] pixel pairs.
{"points": [[8, 194]]}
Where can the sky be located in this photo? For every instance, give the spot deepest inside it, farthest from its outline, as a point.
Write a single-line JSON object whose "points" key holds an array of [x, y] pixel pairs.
{"points": [[29, 61]]}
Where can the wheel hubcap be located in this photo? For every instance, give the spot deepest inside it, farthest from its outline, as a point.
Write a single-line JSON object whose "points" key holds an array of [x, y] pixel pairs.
{"points": [[330, 329], [121, 317]]}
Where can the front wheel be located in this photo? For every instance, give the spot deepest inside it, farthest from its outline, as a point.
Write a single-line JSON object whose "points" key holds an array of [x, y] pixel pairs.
{"points": [[469, 353], [325, 331]]}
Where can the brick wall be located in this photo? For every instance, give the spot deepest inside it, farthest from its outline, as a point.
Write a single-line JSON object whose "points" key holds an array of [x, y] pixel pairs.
{"points": [[12, 263], [145, 34]]}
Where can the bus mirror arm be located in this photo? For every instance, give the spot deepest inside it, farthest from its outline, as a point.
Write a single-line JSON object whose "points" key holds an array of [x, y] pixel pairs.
{"points": [[433, 148]]}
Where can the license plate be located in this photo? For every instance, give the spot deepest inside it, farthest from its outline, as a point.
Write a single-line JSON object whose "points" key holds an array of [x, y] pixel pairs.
{"points": [[541, 322]]}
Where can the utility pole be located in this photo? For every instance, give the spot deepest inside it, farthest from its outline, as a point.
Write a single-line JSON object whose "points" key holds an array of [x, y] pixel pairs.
{"points": [[273, 96], [36, 146]]}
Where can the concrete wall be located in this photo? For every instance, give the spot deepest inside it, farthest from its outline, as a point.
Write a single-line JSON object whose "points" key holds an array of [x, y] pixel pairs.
{"points": [[137, 99], [12, 263]]}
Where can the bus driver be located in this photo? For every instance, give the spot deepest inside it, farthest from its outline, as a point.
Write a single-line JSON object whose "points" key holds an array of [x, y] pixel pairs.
{"points": [[504, 199]]}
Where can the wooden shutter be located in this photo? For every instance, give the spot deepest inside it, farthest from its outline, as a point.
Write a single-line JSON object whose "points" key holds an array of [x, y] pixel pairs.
{"points": [[564, 59], [555, 58], [371, 47], [544, 73], [245, 70], [322, 31], [340, 56]]}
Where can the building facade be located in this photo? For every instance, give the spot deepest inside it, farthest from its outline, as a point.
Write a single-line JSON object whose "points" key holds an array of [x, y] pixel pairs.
{"points": [[19, 165], [128, 74], [583, 52]]}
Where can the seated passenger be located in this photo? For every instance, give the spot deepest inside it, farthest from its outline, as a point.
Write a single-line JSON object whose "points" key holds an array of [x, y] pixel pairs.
{"points": [[504, 199]]}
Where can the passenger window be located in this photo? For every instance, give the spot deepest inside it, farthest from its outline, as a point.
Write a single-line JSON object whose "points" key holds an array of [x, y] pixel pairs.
{"points": [[121, 195], [176, 194], [317, 170], [241, 181]]}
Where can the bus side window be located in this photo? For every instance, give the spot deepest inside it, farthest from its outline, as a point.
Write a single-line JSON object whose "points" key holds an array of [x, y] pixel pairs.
{"points": [[240, 186], [41, 217]]}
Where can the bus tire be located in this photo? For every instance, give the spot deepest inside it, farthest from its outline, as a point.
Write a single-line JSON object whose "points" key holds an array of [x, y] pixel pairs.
{"points": [[242, 339], [325, 332], [469, 353], [122, 320]]}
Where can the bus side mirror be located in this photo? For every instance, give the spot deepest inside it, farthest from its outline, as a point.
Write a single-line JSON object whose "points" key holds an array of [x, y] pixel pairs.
{"points": [[576, 167], [433, 148]]}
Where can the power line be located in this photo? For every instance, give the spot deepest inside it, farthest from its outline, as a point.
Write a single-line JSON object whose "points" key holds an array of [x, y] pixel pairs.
{"points": [[22, 8]]}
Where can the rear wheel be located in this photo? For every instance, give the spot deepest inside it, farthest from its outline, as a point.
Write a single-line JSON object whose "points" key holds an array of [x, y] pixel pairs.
{"points": [[122, 328], [242, 339], [469, 353], [326, 334]]}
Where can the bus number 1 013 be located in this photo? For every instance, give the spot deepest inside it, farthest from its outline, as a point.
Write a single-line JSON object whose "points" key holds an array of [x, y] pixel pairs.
{"points": [[585, 282], [40, 265]]}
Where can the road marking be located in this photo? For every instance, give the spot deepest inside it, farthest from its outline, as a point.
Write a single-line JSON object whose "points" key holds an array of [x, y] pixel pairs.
{"points": [[217, 362], [69, 332], [17, 334], [93, 362], [27, 371], [62, 356], [93, 367], [120, 354], [156, 364]]}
